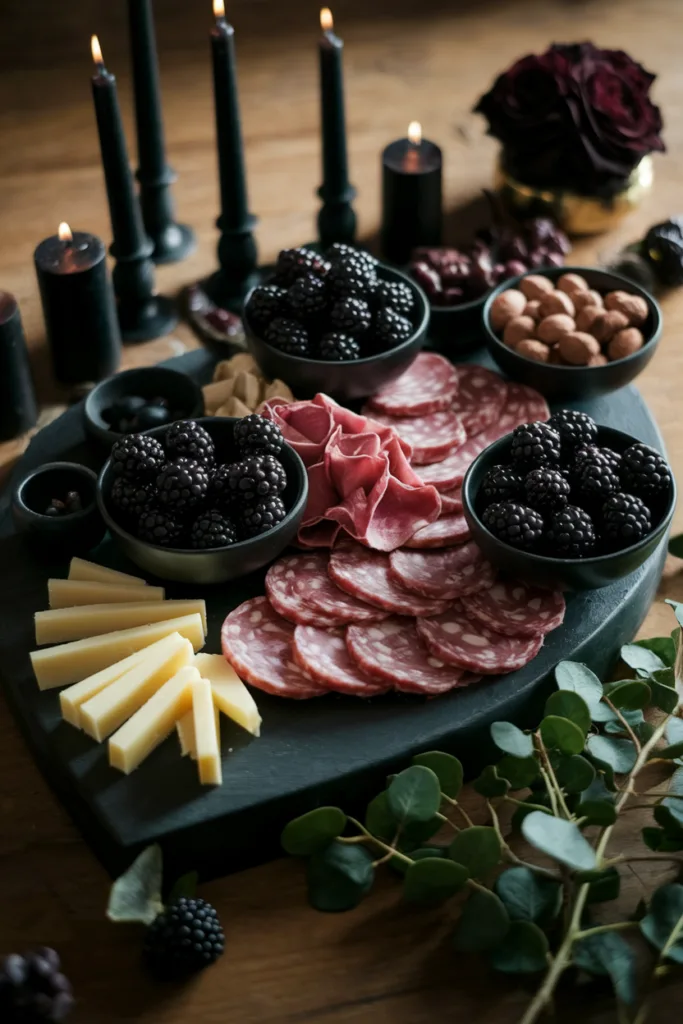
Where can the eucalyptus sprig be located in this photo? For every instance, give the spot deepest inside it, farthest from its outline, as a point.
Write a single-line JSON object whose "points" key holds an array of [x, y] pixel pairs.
{"points": [[567, 782]]}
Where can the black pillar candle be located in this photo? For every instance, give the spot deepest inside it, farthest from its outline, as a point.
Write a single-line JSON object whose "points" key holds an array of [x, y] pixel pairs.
{"points": [[18, 410], [411, 196], [171, 241], [78, 306], [336, 219], [142, 314]]}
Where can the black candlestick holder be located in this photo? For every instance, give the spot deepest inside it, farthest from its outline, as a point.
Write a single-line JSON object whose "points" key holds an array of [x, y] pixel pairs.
{"points": [[336, 217], [238, 259], [142, 314], [172, 241]]}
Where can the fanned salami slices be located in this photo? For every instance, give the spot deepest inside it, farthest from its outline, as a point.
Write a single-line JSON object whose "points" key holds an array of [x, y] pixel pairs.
{"points": [[444, 533], [323, 655], [428, 385], [480, 397], [393, 651], [515, 609], [456, 640], [451, 501], [431, 437], [452, 469], [447, 574], [523, 405], [365, 574], [258, 644], [286, 592]]}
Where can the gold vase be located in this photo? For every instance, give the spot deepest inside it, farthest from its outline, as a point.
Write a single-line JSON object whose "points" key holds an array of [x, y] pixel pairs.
{"points": [[577, 214]]}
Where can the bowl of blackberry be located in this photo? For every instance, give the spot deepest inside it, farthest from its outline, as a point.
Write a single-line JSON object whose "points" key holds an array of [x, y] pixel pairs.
{"points": [[203, 501], [338, 322], [569, 503]]}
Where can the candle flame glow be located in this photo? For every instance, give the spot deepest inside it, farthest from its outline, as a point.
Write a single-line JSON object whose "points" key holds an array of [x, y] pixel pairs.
{"points": [[415, 132], [326, 19], [96, 50], [64, 232], [218, 8]]}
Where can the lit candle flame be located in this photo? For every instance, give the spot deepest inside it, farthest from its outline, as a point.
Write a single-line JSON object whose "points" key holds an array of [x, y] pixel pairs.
{"points": [[96, 50], [218, 9], [64, 232], [326, 20], [415, 132]]}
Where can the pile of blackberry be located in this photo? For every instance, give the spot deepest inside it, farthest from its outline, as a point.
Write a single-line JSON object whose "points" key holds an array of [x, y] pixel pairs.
{"points": [[332, 307], [132, 413], [180, 494], [563, 495]]}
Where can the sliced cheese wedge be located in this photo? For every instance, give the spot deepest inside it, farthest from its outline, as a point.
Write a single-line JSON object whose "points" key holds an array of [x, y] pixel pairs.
{"points": [[69, 663], [65, 624], [185, 729], [153, 722], [206, 736], [82, 570], [69, 593], [230, 694], [107, 710]]}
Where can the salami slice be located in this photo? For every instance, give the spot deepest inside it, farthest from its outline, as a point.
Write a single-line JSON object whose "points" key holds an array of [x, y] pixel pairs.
{"points": [[323, 655], [456, 640], [286, 590], [480, 397], [451, 501], [515, 609], [365, 574], [444, 533], [428, 385], [431, 437], [392, 650], [523, 405], [454, 467], [258, 644], [451, 573]]}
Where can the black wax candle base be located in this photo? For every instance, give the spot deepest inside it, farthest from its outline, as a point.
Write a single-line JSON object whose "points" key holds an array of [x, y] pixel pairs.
{"points": [[173, 244], [230, 293], [147, 320], [337, 218]]}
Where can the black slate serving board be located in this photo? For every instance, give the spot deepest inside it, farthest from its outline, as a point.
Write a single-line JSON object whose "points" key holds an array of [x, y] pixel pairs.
{"points": [[329, 750]]}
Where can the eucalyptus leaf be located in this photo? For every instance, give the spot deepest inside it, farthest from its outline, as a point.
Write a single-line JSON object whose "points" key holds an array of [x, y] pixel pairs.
{"points": [[339, 876], [477, 848], [641, 658], [520, 772], [561, 734], [567, 704], [490, 784], [185, 886], [483, 923], [674, 806], [312, 831], [574, 676], [676, 545], [609, 954], [528, 896], [596, 795], [664, 817], [596, 812], [432, 880], [511, 740], [663, 646], [522, 810], [663, 697], [602, 713], [658, 840], [633, 718], [618, 754], [663, 923], [447, 769], [630, 694], [136, 894], [573, 772], [400, 865], [559, 839], [414, 794], [678, 610], [524, 950], [379, 820], [605, 887]]}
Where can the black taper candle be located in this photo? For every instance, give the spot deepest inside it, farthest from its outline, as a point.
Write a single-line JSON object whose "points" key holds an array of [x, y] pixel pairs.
{"points": [[411, 196], [142, 314], [171, 241], [18, 410], [336, 219], [78, 306]]}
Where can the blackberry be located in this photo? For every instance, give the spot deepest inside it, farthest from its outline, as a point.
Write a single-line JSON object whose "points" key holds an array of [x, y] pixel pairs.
{"points": [[132, 498], [662, 247], [352, 276], [187, 440], [137, 457], [289, 336], [33, 989], [160, 527], [254, 479], [391, 328], [265, 303], [534, 445], [625, 520], [516, 524], [501, 483], [212, 529], [294, 263], [256, 434], [546, 489], [395, 294], [182, 484], [575, 428], [351, 315], [185, 937], [262, 516], [307, 298], [338, 347], [591, 454], [152, 415], [595, 482], [339, 253], [644, 472], [571, 533]]}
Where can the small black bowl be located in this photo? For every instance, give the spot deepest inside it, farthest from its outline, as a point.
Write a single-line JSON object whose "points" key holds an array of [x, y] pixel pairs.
{"points": [[559, 382], [457, 330], [214, 565], [564, 573], [183, 395], [58, 536], [344, 380]]}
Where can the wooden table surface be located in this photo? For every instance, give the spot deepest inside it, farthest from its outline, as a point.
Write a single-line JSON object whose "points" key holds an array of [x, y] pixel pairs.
{"points": [[284, 963]]}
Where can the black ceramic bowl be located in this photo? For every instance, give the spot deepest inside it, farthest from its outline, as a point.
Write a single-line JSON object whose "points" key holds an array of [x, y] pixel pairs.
{"points": [[344, 380], [558, 382], [564, 573], [456, 330], [214, 565], [183, 395], [72, 534]]}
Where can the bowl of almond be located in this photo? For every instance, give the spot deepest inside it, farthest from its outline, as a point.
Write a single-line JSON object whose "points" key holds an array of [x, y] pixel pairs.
{"points": [[571, 332]]}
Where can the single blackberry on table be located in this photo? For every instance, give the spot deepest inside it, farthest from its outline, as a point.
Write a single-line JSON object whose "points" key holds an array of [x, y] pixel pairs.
{"points": [[395, 294], [575, 428], [351, 315], [187, 440], [158, 526], [262, 516], [625, 520], [289, 336], [571, 533], [253, 479], [546, 489], [391, 328], [132, 497], [307, 298], [534, 445], [662, 247], [212, 529], [338, 252], [338, 347], [294, 263], [137, 457], [182, 485], [501, 483], [185, 937], [256, 434], [265, 303], [516, 524], [33, 989], [644, 472], [352, 276], [595, 482]]}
